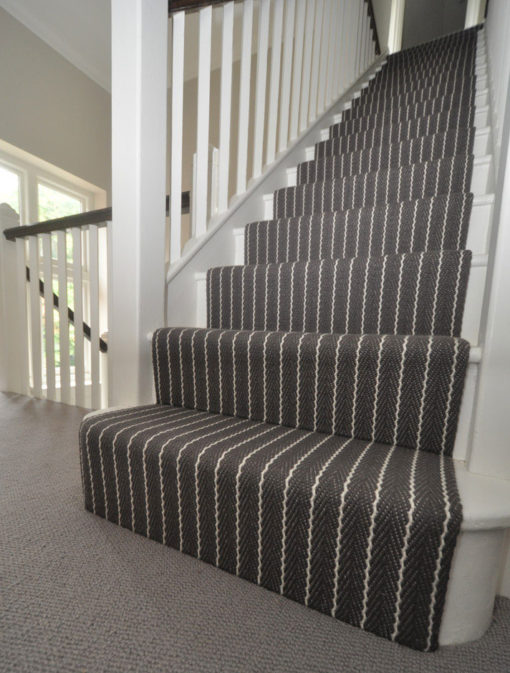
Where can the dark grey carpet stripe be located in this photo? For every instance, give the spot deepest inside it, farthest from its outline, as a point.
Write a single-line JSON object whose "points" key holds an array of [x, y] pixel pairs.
{"points": [[290, 510], [397, 294], [386, 186], [394, 389], [405, 153], [395, 133], [377, 102], [436, 223]]}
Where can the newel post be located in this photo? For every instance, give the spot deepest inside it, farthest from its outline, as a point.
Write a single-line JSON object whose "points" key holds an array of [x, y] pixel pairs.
{"points": [[137, 263], [13, 308]]}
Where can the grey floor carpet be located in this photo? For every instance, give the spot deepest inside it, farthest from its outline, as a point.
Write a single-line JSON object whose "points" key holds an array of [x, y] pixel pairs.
{"points": [[78, 594]]}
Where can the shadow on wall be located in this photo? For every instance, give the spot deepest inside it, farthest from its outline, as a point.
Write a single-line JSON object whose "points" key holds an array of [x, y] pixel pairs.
{"points": [[426, 20]]}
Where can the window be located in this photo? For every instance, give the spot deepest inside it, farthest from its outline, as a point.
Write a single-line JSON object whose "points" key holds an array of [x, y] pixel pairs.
{"points": [[9, 188]]}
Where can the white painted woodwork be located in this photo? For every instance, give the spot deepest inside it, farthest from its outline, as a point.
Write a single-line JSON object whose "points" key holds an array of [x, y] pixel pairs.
{"points": [[225, 104], [316, 60], [244, 96], [79, 343], [323, 69], [297, 69], [274, 85], [201, 185], [178, 26], [35, 316], [95, 375], [286, 77], [49, 323], [260, 91], [139, 119], [14, 356], [65, 372], [307, 64], [396, 25]]}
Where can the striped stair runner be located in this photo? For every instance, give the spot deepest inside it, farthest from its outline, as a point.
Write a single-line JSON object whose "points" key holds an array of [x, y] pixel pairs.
{"points": [[303, 440]]}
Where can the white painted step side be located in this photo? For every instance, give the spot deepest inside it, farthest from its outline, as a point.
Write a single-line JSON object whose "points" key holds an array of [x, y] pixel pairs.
{"points": [[474, 299]]}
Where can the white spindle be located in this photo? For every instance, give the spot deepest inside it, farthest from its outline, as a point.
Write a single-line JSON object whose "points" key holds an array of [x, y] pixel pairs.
{"points": [[288, 45], [244, 96], [203, 112], [49, 323], [358, 39], [35, 315], [331, 52], [317, 33], [323, 73], [63, 320], [79, 362], [225, 104], [21, 284], [337, 40], [274, 85], [178, 26], [307, 65], [297, 68], [260, 95], [94, 318]]}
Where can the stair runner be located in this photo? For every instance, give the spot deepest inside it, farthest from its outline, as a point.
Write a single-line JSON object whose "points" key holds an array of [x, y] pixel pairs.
{"points": [[303, 440]]}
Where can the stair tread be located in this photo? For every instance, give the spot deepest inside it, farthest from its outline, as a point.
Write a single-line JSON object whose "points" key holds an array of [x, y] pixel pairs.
{"points": [[485, 500]]}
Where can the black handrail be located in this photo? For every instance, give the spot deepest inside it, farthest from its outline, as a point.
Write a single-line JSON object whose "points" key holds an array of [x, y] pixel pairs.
{"points": [[99, 217], [373, 26], [103, 346], [184, 5]]}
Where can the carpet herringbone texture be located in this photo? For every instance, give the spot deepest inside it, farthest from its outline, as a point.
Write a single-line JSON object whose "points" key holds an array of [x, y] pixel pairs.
{"points": [[303, 439], [80, 594]]}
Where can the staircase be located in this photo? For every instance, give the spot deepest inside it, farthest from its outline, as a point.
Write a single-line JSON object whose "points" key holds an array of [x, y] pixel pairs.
{"points": [[303, 440]]}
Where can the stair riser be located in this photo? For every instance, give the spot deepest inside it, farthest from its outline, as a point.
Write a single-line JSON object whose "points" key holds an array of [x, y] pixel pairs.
{"points": [[482, 181], [478, 235], [481, 98]]}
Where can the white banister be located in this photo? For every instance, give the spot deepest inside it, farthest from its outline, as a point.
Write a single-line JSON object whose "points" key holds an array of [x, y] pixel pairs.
{"points": [[79, 350], [260, 91], [307, 65], [178, 26], [35, 316], [49, 322], [323, 72], [203, 98], [65, 374], [286, 80], [95, 374], [244, 96], [314, 88], [276, 53], [297, 69], [225, 104]]}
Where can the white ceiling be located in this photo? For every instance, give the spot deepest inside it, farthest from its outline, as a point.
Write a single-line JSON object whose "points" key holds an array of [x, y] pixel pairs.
{"points": [[78, 29]]}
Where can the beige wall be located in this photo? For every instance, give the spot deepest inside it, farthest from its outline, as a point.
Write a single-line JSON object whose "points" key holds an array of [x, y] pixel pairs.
{"points": [[50, 108]]}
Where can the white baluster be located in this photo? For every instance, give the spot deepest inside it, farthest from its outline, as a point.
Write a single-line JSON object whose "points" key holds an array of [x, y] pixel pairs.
{"points": [[49, 323], [225, 104], [178, 27], [203, 113], [260, 95], [307, 65], [94, 318], [274, 85], [79, 360], [316, 60], [244, 96], [35, 315], [323, 73], [21, 284], [331, 52], [288, 45], [297, 69], [63, 319]]}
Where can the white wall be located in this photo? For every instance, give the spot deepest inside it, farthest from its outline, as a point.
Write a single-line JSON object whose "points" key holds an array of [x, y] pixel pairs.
{"points": [[382, 11], [427, 20], [50, 108]]}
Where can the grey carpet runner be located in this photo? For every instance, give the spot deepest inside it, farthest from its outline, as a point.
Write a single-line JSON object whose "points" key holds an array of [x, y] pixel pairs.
{"points": [[303, 439]]}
